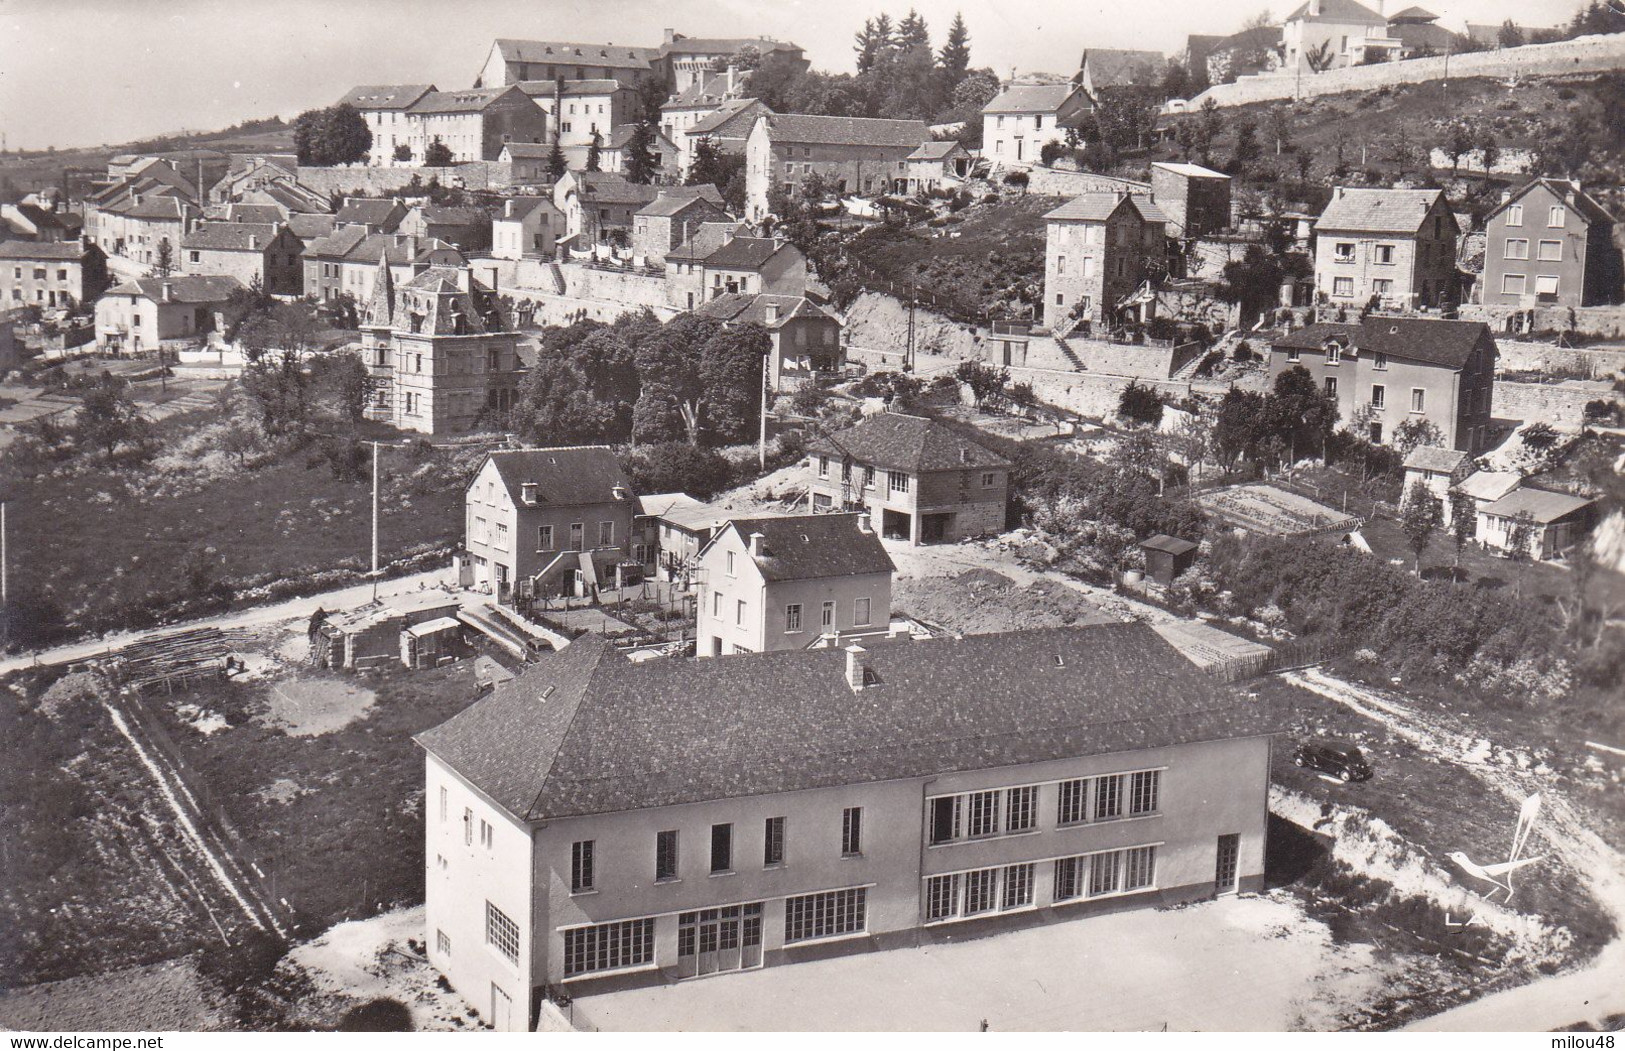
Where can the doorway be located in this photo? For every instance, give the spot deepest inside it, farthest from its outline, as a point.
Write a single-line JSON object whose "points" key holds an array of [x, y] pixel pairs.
{"points": [[501, 1009], [711, 941], [1226, 867]]}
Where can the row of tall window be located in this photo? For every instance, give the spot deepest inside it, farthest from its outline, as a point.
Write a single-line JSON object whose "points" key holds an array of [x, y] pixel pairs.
{"points": [[960, 895], [1008, 811]]}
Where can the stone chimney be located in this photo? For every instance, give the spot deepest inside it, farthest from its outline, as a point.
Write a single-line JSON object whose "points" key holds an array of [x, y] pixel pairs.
{"points": [[168, 293], [732, 78], [1314, 8], [668, 36], [865, 525], [857, 667], [507, 209], [756, 545], [772, 312], [253, 241]]}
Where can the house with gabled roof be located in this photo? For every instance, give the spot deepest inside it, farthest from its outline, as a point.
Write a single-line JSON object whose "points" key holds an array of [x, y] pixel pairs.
{"points": [[806, 337], [727, 129], [938, 165], [851, 154], [1098, 249], [668, 220], [1554, 521], [50, 273], [387, 110], [1345, 32], [526, 228], [577, 110], [26, 221], [378, 215], [466, 226], [514, 61], [596, 203], [147, 313], [791, 582], [549, 521], [1394, 247], [917, 479], [1437, 470], [1018, 121], [616, 150], [1103, 69], [700, 99], [1388, 371], [1550, 243], [267, 253], [1420, 35], [583, 832], [690, 60]]}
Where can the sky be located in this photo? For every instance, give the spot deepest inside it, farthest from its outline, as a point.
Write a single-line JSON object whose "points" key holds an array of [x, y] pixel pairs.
{"points": [[88, 72]]}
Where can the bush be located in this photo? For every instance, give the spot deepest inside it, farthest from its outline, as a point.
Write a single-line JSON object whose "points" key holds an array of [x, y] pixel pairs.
{"points": [[1140, 404], [678, 467], [377, 1016], [1051, 152]]}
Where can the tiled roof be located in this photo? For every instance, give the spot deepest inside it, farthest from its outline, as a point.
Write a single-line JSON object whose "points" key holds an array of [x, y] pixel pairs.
{"points": [[1098, 207], [564, 476], [240, 237], [1173, 545], [1350, 12], [724, 45], [468, 100], [703, 241], [163, 207], [1115, 67], [1190, 171], [255, 213], [534, 151], [1431, 340], [669, 205], [701, 94], [936, 151], [561, 53], [386, 96], [522, 206], [908, 443], [742, 112], [622, 136], [1413, 14], [1489, 485], [1031, 98], [846, 131], [65, 251], [1435, 458], [1377, 211], [183, 288], [587, 731], [370, 211], [813, 547], [545, 89], [1564, 191], [1543, 506], [752, 308], [43, 218], [744, 253], [400, 249], [308, 226], [453, 215], [336, 244]]}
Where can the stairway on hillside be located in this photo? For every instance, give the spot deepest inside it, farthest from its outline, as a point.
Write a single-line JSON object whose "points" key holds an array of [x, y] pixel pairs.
{"points": [[1070, 354], [559, 287], [1187, 372]]}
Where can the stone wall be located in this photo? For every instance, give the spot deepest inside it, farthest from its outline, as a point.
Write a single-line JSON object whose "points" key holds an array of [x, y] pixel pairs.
{"points": [[1060, 182], [1559, 404], [1588, 54], [363, 181], [880, 323], [1592, 321], [1517, 355]]}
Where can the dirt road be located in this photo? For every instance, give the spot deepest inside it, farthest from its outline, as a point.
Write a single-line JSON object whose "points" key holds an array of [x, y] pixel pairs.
{"points": [[1585, 995], [257, 616]]}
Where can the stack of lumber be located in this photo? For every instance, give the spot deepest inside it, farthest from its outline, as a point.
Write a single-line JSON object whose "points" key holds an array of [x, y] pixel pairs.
{"points": [[175, 657]]}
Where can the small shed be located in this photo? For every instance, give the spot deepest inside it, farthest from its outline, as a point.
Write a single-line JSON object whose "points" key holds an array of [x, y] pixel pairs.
{"points": [[1167, 556], [357, 640], [431, 643]]}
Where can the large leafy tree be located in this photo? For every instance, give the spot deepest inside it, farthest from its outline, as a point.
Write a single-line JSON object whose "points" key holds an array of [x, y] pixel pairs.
{"points": [[335, 135], [1299, 413], [731, 371], [437, 154], [1419, 519], [108, 417]]}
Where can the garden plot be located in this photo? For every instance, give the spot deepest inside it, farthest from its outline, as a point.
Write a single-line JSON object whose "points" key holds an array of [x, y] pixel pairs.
{"points": [[161, 997], [981, 601], [1270, 511]]}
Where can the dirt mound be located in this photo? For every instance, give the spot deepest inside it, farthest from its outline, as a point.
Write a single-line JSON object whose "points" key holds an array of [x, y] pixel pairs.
{"points": [[74, 692]]}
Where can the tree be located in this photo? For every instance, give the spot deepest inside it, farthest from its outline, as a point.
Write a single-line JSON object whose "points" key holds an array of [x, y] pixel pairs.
{"points": [[1050, 152], [1463, 524], [1509, 35], [1208, 123], [1414, 433], [986, 382], [1299, 412], [595, 152], [1458, 142], [1246, 148], [164, 264], [437, 154], [556, 166], [1193, 438], [955, 57], [669, 467], [108, 417], [1520, 544], [345, 378], [1320, 57], [640, 158], [731, 374], [1139, 452], [1419, 519], [1279, 123], [1489, 150], [403, 152], [1140, 404], [335, 135]]}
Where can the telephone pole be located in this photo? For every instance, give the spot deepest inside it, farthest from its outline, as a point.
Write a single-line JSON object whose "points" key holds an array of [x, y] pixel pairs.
{"points": [[375, 521], [761, 442]]}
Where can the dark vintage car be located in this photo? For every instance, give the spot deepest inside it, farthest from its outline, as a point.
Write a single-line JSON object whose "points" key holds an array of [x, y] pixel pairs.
{"points": [[1338, 758]]}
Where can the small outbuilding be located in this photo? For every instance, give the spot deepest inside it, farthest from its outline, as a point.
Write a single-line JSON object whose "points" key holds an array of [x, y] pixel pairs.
{"points": [[1167, 556], [432, 643]]}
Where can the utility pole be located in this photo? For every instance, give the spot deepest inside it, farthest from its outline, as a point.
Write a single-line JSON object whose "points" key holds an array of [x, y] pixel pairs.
{"points": [[761, 442], [4, 591], [375, 521], [913, 298]]}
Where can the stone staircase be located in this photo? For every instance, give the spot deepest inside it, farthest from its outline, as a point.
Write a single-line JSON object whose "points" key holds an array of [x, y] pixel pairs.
{"points": [[553, 271], [1070, 354], [484, 619]]}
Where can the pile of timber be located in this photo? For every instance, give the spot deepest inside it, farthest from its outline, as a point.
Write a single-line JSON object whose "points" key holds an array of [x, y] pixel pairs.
{"points": [[176, 658]]}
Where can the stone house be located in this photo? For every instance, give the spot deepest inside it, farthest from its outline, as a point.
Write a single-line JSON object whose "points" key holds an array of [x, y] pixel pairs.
{"points": [[439, 353], [1386, 371], [571, 847], [1105, 69], [668, 221], [1394, 247], [1099, 248], [268, 253], [1438, 470], [377, 215], [1019, 120], [526, 228], [387, 109], [552, 521], [806, 337], [727, 128], [617, 148], [50, 273], [465, 226], [761, 582], [917, 479], [579, 109], [1550, 242], [517, 61], [142, 315], [938, 166], [696, 273], [1346, 31], [852, 155], [1195, 199]]}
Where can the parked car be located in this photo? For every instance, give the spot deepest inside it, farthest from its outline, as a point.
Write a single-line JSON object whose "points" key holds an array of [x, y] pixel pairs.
{"points": [[1339, 758]]}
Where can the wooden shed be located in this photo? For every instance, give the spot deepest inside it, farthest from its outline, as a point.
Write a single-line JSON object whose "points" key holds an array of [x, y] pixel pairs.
{"points": [[1167, 556], [431, 643]]}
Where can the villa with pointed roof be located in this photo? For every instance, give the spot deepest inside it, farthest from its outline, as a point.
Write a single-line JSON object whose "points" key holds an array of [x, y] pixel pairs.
{"points": [[440, 354], [806, 337], [1392, 246], [599, 823], [1098, 248], [917, 479], [1019, 120], [1550, 243], [268, 253]]}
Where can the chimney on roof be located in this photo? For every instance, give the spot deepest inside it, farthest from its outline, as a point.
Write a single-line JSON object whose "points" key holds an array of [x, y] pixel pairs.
{"points": [[857, 667], [865, 525], [253, 240], [167, 295], [756, 545], [507, 209], [1314, 8], [772, 312], [668, 36], [733, 72]]}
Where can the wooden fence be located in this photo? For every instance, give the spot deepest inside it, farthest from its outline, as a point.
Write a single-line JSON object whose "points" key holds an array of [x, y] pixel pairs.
{"points": [[1286, 656]]}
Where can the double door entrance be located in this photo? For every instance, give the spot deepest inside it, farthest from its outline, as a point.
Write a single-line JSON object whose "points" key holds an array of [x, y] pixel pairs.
{"points": [[726, 939]]}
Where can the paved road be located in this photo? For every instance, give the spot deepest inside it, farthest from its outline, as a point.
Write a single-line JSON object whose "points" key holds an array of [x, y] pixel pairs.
{"points": [[292, 609]]}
